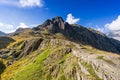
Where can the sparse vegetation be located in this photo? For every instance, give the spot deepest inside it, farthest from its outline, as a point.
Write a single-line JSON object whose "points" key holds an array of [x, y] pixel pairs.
{"points": [[90, 70], [100, 57], [106, 60]]}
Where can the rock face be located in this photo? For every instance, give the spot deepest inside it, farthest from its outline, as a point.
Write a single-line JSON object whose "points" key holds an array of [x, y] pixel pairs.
{"points": [[101, 64], [60, 51], [80, 34]]}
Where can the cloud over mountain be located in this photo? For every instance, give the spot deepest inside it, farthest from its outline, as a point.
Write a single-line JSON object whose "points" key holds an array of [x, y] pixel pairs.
{"points": [[114, 25], [71, 19], [22, 25], [6, 27]]}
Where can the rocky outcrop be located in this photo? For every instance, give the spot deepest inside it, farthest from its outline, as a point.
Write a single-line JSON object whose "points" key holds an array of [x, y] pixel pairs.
{"points": [[104, 66], [30, 46]]}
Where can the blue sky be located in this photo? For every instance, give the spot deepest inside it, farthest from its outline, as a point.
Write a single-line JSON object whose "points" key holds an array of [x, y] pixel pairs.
{"points": [[98, 14]]}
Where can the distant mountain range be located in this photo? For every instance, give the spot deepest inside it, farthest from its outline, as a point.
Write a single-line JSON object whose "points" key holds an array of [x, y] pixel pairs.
{"points": [[114, 34], [2, 33]]}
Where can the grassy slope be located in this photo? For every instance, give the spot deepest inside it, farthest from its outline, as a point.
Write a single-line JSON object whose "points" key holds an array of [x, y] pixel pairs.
{"points": [[33, 68], [50, 63], [47, 62]]}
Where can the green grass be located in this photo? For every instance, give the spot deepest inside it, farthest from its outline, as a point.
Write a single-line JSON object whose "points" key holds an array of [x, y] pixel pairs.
{"points": [[33, 70], [106, 60], [20, 45], [100, 57]]}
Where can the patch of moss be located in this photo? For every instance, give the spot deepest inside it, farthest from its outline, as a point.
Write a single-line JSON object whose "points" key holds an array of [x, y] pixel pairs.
{"points": [[100, 57], [62, 77], [94, 50], [20, 45], [106, 60]]}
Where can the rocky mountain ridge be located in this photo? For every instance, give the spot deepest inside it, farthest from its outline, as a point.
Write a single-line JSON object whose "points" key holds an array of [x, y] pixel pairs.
{"points": [[80, 34]]}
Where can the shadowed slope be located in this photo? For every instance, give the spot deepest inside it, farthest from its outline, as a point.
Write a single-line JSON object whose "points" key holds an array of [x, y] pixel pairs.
{"points": [[80, 34], [4, 41]]}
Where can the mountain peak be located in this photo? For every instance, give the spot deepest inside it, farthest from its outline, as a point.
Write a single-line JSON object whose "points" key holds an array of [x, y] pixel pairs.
{"points": [[20, 29], [58, 19], [54, 23]]}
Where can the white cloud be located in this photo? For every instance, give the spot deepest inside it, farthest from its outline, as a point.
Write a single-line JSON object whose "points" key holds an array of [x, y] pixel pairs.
{"points": [[6, 27], [31, 3], [23, 3], [101, 29], [71, 19], [114, 25], [22, 25]]}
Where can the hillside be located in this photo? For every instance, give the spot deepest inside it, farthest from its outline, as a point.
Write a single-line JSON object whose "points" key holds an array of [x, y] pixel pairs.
{"points": [[2, 33], [4, 41], [56, 50]]}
